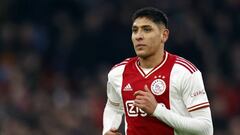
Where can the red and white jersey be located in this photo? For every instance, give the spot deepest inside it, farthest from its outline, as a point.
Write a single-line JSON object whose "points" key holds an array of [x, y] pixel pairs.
{"points": [[175, 82]]}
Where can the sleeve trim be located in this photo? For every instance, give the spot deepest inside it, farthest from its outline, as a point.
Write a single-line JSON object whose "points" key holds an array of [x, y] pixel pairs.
{"points": [[113, 103], [198, 106]]}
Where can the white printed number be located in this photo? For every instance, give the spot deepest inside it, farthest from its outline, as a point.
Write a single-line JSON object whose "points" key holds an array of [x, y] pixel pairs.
{"points": [[134, 111]]}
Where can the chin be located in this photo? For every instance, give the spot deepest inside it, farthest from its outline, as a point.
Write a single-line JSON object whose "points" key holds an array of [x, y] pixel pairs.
{"points": [[141, 54]]}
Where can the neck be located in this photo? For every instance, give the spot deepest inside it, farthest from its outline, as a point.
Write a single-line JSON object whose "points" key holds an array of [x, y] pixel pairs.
{"points": [[152, 61]]}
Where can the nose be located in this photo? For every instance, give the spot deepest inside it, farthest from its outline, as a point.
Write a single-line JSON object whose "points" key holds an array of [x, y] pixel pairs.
{"points": [[139, 36]]}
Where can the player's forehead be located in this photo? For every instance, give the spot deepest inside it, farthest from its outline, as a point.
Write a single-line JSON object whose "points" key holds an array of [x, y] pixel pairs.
{"points": [[143, 21]]}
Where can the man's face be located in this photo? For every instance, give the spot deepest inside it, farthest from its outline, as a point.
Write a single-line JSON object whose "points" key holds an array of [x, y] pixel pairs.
{"points": [[148, 37]]}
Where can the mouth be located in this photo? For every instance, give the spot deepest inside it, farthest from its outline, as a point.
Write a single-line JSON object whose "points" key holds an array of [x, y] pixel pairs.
{"points": [[140, 45]]}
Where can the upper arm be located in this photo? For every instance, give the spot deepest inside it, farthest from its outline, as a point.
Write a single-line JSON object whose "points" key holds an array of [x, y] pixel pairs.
{"points": [[193, 91], [113, 97], [114, 85]]}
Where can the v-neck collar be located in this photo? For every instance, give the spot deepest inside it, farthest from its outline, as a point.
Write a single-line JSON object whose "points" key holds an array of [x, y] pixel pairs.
{"points": [[154, 69]]}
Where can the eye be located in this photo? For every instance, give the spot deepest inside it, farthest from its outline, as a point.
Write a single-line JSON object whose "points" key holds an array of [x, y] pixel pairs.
{"points": [[147, 29], [134, 30]]}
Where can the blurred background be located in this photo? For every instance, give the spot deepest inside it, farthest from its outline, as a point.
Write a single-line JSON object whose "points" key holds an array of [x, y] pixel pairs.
{"points": [[55, 56]]}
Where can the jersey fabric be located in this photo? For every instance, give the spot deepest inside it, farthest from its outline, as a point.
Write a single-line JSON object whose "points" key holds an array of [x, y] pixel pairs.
{"points": [[176, 83]]}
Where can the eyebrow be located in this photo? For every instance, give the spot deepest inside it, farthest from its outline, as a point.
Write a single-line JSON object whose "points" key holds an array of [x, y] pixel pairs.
{"points": [[142, 26]]}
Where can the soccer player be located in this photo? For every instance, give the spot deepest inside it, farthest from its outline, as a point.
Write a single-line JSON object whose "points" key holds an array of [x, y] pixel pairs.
{"points": [[160, 93]]}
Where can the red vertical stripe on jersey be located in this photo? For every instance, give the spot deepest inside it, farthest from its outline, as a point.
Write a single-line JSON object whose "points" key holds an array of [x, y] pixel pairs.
{"points": [[138, 122]]}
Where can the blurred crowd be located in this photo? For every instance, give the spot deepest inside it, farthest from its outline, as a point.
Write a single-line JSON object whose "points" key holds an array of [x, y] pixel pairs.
{"points": [[55, 56]]}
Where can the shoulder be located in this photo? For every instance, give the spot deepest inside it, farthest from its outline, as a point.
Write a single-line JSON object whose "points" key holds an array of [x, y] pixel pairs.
{"points": [[124, 62], [117, 69], [185, 74], [183, 65]]}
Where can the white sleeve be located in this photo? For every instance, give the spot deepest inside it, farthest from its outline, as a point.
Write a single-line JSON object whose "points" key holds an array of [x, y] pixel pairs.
{"points": [[200, 122], [193, 91], [112, 117], [195, 99], [113, 112]]}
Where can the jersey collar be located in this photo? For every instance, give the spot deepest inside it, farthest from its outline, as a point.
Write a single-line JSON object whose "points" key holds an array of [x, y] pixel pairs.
{"points": [[154, 69]]}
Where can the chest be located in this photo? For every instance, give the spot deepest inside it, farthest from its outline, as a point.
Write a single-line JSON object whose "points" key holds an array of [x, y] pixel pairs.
{"points": [[157, 82]]}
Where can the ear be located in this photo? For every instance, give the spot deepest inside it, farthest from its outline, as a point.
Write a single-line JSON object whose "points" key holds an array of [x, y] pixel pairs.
{"points": [[165, 35]]}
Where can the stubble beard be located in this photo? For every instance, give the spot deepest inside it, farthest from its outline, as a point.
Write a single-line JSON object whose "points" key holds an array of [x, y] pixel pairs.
{"points": [[143, 56]]}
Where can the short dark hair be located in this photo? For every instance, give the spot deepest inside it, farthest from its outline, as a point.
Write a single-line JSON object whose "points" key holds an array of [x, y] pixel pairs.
{"points": [[154, 14]]}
